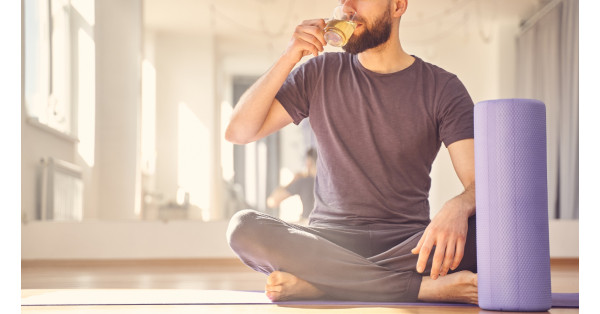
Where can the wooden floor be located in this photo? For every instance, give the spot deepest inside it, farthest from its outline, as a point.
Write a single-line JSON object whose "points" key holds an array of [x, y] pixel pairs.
{"points": [[222, 274]]}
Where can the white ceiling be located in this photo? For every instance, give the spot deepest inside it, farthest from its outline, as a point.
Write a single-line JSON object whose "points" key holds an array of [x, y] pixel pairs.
{"points": [[278, 17], [226, 17]]}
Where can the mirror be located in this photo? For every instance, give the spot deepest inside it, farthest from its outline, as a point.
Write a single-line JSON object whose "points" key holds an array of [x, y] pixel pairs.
{"points": [[196, 58], [207, 54], [214, 50]]}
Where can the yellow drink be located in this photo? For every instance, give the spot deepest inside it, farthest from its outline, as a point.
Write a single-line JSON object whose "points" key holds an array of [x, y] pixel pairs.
{"points": [[337, 32]]}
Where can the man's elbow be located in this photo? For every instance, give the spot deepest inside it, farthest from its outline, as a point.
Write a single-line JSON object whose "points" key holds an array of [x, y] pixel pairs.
{"points": [[236, 136]]}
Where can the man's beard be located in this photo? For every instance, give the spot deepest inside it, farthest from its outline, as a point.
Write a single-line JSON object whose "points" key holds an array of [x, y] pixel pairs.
{"points": [[371, 37]]}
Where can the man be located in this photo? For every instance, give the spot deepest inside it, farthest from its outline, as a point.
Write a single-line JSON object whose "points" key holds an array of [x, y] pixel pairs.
{"points": [[379, 116], [302, 185]]}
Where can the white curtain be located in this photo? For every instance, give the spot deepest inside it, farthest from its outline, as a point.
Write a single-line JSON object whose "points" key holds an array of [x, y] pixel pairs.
{"points": [[548, 70]]}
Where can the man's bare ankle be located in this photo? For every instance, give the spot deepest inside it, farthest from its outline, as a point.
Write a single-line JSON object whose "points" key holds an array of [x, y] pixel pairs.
{"points": [[282, 286], [457, 287]]}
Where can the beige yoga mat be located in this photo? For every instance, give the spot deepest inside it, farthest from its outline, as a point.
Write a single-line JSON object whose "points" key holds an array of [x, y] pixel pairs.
{"points": [[35, 297], [70, 297], [139, 296]]}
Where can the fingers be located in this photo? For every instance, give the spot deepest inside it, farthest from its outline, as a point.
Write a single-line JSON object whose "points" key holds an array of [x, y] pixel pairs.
{"points": [[438, 258], [449, 241], [316, 28], [320, 23], [460, 252], [417, 248], [448, 258], [424, 252], [308, 38], [309, 42], [444, 256]]}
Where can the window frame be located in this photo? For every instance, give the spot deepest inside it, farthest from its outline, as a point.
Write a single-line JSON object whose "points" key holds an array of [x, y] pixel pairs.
{"points": [[48, 66]]}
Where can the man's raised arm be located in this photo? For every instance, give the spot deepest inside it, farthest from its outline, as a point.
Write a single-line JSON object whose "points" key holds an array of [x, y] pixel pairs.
{"points": [[257, 113]]}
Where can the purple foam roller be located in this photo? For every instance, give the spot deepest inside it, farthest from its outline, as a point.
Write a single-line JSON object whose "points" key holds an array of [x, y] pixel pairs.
{"points": [[513, 252]]}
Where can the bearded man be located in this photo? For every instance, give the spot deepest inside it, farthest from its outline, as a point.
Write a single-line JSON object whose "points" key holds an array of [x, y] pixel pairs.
{"points": [[379, 115]]}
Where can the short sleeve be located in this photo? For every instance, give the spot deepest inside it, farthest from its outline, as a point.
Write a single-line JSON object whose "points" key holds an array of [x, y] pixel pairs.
{"points": [[455, 116], [294, 187], [296, 91]]}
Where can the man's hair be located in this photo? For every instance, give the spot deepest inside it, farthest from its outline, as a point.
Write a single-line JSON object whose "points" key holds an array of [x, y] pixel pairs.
{"points": [[312, 153]]}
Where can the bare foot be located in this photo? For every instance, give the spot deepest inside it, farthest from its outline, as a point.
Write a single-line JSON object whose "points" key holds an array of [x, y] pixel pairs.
{"points": [[283, 286], [457, 287]]}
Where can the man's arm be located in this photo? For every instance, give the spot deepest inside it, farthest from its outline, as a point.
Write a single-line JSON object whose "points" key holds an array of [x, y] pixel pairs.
{"points": [[283, 192], [258, 113], [448, 229], [278, 195]]}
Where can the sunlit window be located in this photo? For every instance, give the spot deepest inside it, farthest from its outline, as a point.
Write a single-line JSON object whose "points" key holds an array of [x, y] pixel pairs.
{"points": [[148, 118], [226, 146], [193, 162], [86, 96], [47, 63]]}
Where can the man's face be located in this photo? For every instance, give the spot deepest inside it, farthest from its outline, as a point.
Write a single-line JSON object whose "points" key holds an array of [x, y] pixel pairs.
{"points": [[373, 34]]}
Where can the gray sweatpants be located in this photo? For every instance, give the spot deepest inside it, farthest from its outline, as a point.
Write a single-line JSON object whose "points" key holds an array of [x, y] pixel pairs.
{"points": [[359, 263]]}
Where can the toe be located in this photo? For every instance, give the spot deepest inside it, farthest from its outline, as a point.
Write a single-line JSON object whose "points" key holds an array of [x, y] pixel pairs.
{"points": [[274, 296], [273, 288], [274, 278]]}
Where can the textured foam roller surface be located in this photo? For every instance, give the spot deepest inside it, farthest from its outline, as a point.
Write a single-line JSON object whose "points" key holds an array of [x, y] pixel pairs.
{"points": [[513, 253]]}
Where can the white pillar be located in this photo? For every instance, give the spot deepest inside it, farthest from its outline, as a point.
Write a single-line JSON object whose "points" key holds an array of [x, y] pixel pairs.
{"points": [[118, 105]]}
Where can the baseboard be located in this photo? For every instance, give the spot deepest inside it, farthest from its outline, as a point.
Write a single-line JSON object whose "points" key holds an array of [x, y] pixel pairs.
{"points": [[557, 262]]}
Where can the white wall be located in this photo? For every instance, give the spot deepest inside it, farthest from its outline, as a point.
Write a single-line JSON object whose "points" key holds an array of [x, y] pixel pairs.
{"points": [[178, 239], [124, 240], [36, 143], [184, 71]]}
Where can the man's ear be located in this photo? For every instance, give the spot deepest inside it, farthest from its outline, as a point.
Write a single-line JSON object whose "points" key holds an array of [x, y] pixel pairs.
{"points": [[399, 7]]}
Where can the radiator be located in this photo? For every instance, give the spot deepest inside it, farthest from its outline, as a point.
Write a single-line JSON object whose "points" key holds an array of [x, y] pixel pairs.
{"points": [[61, 192]]}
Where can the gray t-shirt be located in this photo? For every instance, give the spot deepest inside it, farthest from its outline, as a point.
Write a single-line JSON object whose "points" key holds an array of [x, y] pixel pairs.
{"points": [[377, 135], [304, 187]]}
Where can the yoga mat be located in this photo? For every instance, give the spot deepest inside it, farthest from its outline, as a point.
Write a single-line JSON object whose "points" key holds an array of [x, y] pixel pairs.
{"points": [[174, 296], [513, 252], [140, 297], [565, 300], [73, 297]]}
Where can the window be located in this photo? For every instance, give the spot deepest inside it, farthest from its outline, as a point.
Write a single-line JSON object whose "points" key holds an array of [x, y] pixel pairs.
{"points": [[255, 165], [47, 64]]}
